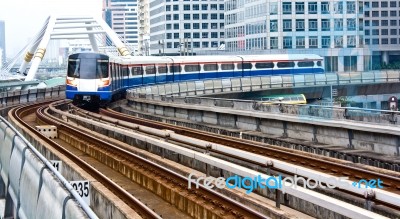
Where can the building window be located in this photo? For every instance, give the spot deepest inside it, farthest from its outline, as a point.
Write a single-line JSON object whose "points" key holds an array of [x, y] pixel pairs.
{"points": [[204, 26], [273, 42], [384, 4], [214, 35], [287, 7], [204, 7], [393, 4], [214, 16], [176, 35], [204, 35], [196, 7], [351, 41], [273, 26], [299, 7], [196, 35], [375, 32], [287, 25], [375, 14], [187, 35], [366, 13], [169, 35], [384, 13], [366, 32], [325, 25], [326, 41], [313, 25], [176, 26], [196, 16], [393, 41], [338, 41], [325, 8], [186, 17], [312, 8], [169, 45], [214, 25], [287, 42], [186, 7], [375, 41], [351, 7], [375, 23], [204, 16], [168, 26], [168, 8], [375, 4], [176, 17], [351, 24], [385, 41], [339, 7], [176, 7], [300, 25], [196, 26], [300, 42], [393, 32], [350, 63], [186, 26], [168, 17], [214, 7], [196, 44], [221, 7], [384, 23], [339, 24], [384, 32], [313, 42], [367, 42], [393, 22], [273, 8]]}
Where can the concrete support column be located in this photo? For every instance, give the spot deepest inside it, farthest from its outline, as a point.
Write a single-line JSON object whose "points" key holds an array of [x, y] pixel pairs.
{"points": [[340, 63], [360, 63], [385, 57]]}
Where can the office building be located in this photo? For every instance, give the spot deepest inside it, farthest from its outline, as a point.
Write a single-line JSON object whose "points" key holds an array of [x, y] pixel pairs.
{"points": [[185, 26], [3, 40], [122, 17]]}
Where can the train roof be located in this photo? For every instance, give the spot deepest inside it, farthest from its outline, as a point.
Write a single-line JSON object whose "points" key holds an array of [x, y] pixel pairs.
{"points": [[212, 59]]}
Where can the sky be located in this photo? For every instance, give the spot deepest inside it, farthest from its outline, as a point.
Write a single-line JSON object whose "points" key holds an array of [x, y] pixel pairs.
{"points": [[24, 18]]}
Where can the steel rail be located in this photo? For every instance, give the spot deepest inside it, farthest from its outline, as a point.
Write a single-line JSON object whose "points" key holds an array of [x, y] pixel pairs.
{"points": [[138, 206]]}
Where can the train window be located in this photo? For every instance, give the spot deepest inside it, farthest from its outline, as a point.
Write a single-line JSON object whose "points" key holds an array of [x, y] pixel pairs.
{"points": [[150, 70], [210, 67], [137, 70], [125, 71], [73, 67], [319, 63], [244, 65], [192, 68], [229, 66], [175, 68], [162, 69], [306, 64], [264, 65], [285, 64], [102, 68]]}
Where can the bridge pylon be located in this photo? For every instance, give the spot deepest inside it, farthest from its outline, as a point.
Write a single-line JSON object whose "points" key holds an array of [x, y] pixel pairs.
{"points": [[69, 27]]}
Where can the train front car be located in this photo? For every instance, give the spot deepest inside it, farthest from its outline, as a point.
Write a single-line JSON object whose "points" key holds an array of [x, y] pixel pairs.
{"points": [[88, 79]]}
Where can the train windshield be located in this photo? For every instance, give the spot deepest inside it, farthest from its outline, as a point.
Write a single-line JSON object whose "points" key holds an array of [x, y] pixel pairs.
{"points": [[88, 68]]}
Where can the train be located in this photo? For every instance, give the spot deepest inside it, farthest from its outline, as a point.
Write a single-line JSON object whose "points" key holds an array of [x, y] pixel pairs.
{"points": [[99, 78], [284, 98]]}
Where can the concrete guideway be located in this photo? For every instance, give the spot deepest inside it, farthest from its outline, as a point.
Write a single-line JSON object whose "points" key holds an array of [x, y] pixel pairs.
{"points": [[33, 182], [313, 197]]}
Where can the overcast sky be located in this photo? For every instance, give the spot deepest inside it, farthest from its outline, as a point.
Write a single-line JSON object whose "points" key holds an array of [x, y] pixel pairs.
{"points": [[24, 18]]}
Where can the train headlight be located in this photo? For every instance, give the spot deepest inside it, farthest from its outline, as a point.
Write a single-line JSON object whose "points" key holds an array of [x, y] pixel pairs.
{"points": [[103, 82], [72, 82]]}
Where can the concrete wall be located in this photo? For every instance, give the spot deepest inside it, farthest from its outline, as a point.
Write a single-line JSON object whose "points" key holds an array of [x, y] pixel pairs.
{"points": [[28, 188]]}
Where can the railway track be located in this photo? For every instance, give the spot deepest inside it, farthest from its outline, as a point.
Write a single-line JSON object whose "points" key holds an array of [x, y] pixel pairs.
{"points": [[390, 183], [203, 199]]}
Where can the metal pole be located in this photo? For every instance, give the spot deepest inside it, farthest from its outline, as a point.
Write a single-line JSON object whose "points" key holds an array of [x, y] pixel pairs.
{"points": [[331, 96]]}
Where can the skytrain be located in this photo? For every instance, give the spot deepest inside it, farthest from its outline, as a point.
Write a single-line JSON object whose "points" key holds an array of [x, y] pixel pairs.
{"points": [[98, 78]]}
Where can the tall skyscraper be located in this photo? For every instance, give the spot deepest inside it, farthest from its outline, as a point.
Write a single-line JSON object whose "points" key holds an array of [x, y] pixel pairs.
{"points": [[122, 17], [3, 40], [181, 25]]}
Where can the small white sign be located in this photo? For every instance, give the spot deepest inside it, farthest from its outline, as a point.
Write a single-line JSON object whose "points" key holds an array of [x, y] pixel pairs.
{"points": [[83, 189], [57, 164]]}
